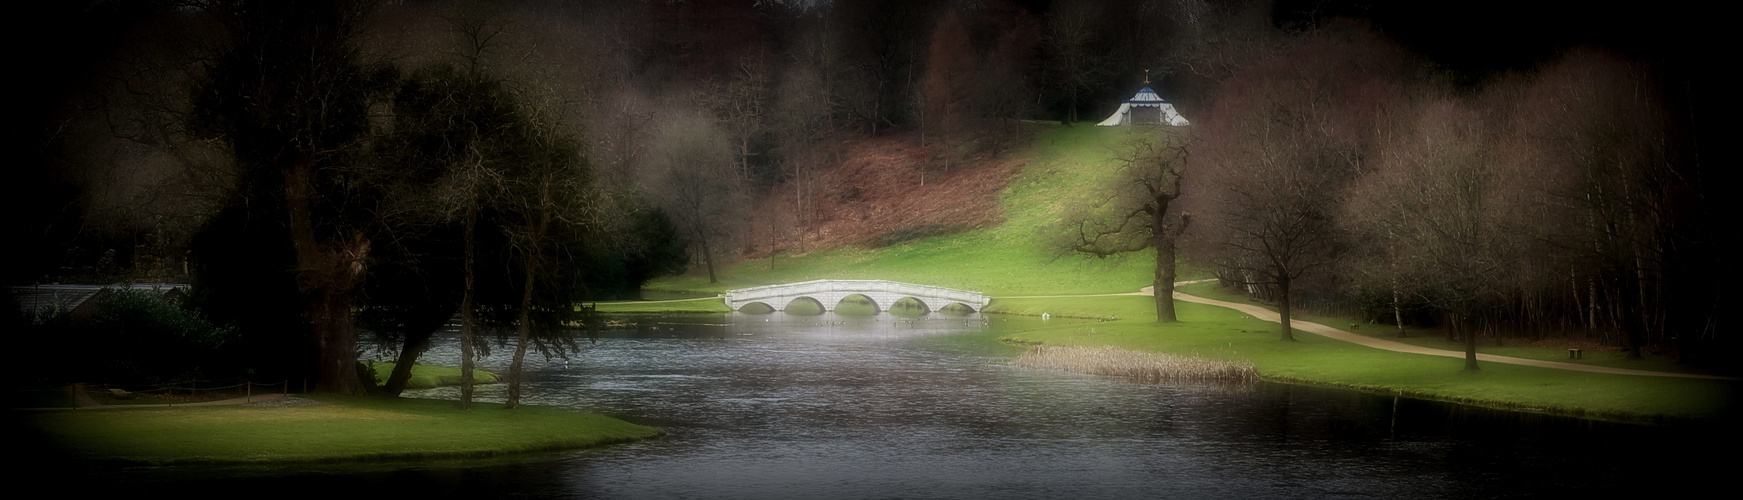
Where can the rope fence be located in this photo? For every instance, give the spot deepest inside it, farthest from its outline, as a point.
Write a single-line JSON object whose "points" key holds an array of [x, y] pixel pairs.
{"points": [[172, 393]]}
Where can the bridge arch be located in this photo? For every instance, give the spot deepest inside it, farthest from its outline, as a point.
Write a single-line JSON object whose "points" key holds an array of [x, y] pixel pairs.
{"points": [[829, 293], [911, 302], [851, 302], [805, 306], [756, 308]]}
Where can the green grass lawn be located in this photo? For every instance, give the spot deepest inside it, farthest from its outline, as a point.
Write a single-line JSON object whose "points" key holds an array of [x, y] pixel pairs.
{"points": [[348, 428], [425, 377], [1067, 166]]}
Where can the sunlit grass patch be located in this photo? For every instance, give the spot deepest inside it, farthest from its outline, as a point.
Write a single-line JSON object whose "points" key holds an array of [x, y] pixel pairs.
{"points": [[699, 305], [346, 428]]}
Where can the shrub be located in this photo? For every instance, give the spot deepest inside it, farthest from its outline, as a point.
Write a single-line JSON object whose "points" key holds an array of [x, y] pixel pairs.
{"points": [[142, 336]]}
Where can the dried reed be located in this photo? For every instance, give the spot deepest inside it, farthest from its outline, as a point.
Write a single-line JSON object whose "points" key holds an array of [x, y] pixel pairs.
{"points": [[1141, 366]]}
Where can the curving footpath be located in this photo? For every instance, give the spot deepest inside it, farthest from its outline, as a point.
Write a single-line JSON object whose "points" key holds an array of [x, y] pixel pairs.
{"points": [[1336, 334]]}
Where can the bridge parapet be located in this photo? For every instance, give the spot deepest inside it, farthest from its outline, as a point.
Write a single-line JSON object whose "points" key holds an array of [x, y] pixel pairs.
{"points": [[830, 292]]}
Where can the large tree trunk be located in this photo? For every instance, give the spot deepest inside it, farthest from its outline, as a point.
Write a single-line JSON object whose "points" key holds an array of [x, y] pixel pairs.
{"points": [[466, 356], [336, 341], [326, 274], [1071, 109], [523, 335], [708, 258], [534, 252], [1632, 317], [1397, 311], [1470, 342], [415, 344], [1283, 306], [1165, 275]]}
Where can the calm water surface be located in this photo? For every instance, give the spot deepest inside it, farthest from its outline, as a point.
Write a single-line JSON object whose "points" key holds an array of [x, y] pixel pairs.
{"points": [[777, 406]]}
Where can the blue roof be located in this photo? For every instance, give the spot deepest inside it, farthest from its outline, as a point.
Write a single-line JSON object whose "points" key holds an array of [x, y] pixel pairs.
{"points": [[1147, 90]]}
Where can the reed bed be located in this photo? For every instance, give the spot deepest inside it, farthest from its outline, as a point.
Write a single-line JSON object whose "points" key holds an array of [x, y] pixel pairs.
{"points": [[1137, 365]]}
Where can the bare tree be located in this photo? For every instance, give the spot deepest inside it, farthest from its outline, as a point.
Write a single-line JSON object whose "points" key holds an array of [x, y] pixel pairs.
{"points": [[802, 124], [547, 203], [742, 105], [1268, 206], [1272, 224], [1283, 140], [696, 183], [1006, 88], [880, 42], [1074, 68], [950, 72], [1141, 213], [1443, 197], [1598, 123]]}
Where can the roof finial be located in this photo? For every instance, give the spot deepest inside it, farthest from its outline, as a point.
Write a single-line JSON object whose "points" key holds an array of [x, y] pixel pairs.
{"points": [[1146, 77]]}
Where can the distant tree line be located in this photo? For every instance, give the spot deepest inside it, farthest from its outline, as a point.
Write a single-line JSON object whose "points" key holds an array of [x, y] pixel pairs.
{"points": [[1569, 198]]}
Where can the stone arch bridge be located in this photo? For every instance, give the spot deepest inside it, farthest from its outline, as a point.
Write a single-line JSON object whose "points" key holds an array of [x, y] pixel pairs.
{"points": [[829, 293]]}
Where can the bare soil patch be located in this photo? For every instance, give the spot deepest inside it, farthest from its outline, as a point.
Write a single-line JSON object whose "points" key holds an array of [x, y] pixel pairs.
{"points": [[875, 196]]}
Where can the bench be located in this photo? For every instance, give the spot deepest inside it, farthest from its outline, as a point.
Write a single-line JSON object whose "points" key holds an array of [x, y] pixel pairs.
{"points": [[1576, 353]]}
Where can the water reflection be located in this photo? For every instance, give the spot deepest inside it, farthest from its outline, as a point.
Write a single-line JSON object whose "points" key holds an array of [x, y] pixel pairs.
{"points": [[834, 406]]}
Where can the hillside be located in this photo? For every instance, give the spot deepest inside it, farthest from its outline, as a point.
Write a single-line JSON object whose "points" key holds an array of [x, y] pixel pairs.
{"points": [[881, 224], [884, 190]]}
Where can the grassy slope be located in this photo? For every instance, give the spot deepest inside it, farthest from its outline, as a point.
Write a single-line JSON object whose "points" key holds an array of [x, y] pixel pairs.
{"points": [[1002, 260], [348, 429], [1068, 162]]}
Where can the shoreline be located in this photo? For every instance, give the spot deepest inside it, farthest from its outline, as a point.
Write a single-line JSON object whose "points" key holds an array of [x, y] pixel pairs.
{"points": [[1524, 404]]}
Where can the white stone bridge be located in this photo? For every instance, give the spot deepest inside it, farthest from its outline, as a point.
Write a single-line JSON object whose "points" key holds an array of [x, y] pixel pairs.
{"points": [[828, 294]]}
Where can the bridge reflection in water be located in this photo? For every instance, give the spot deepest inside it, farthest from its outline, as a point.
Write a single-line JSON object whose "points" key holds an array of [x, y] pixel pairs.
{"points": [[829, 293]]}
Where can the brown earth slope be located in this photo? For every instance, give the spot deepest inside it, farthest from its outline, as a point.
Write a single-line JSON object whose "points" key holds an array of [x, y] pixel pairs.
{"points": [[874, 196]]}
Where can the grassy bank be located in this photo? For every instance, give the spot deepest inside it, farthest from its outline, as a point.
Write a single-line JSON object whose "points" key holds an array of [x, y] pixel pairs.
{"points": [[1067, 166], [346, 428], [700, 305], [1435, 338], [1219, 333]]}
